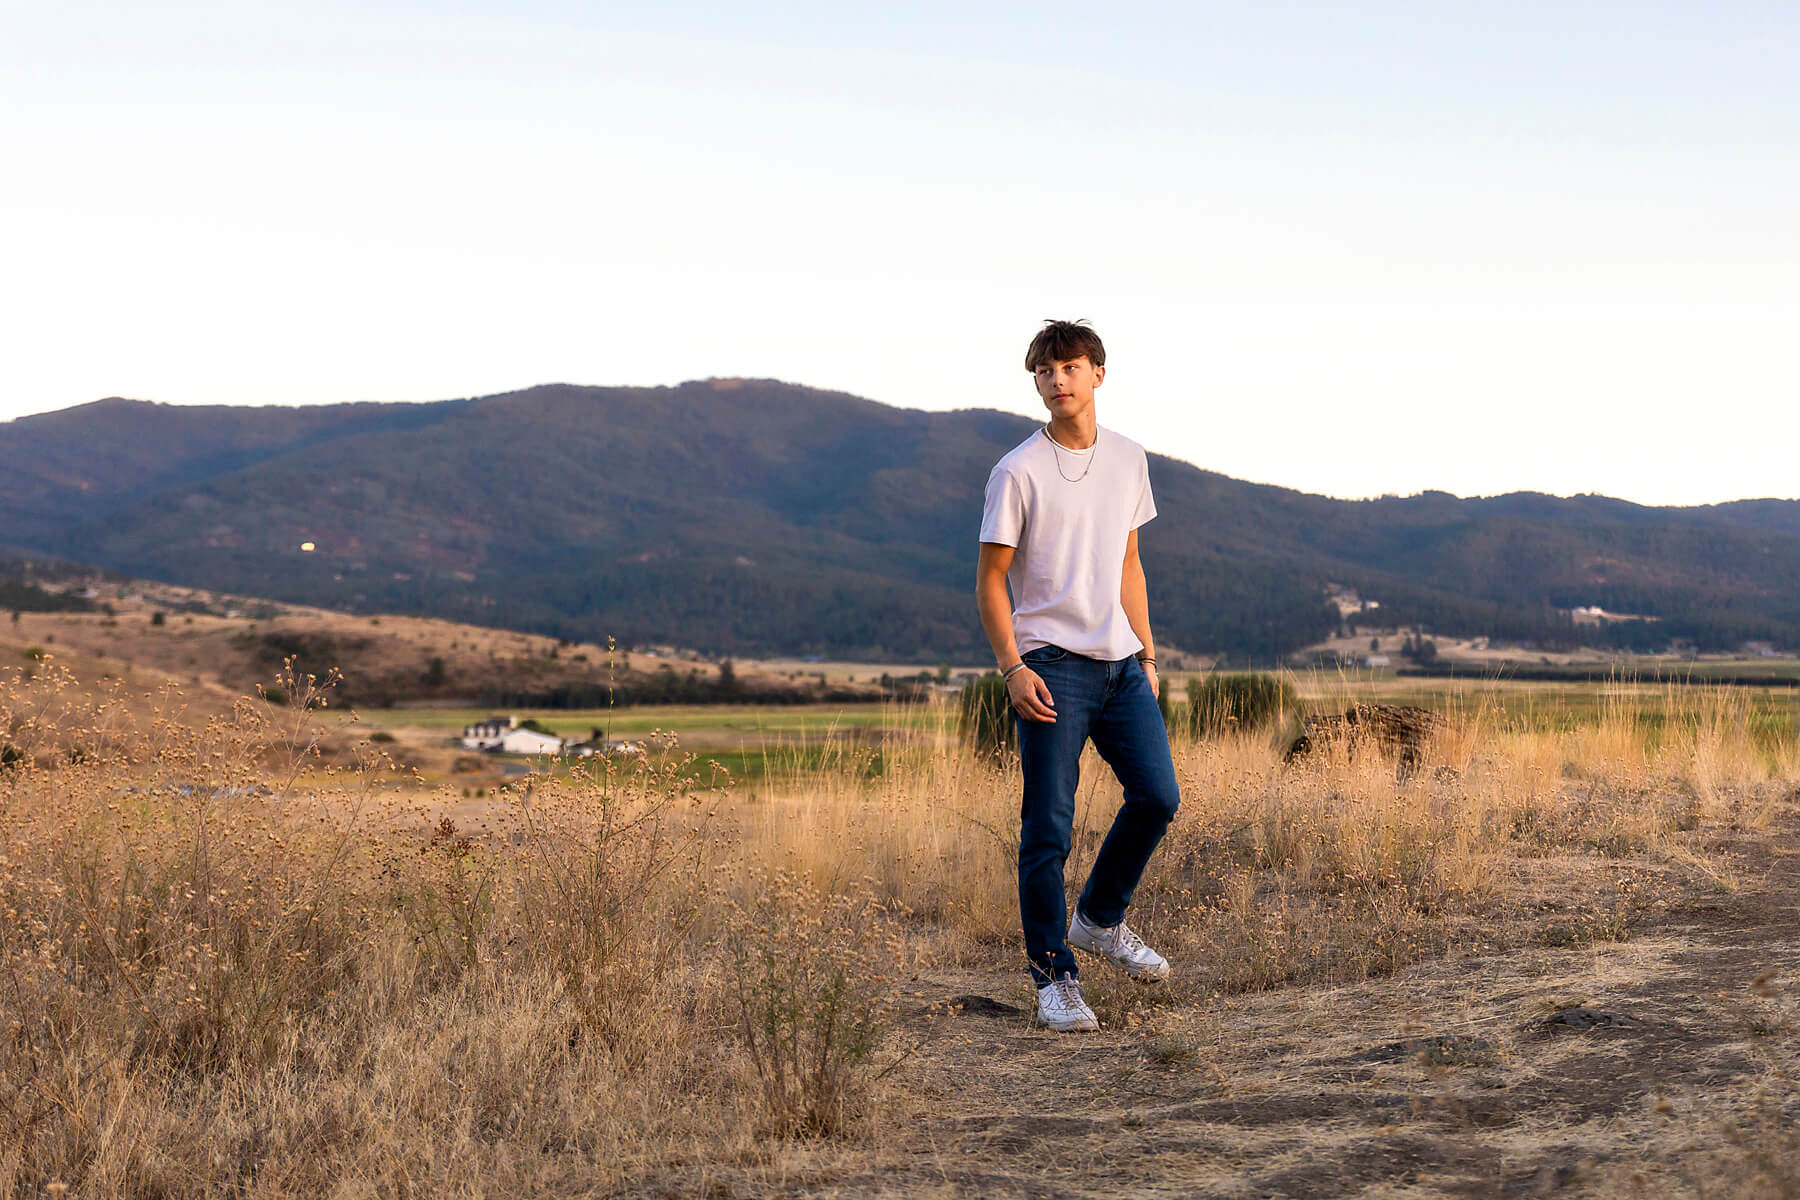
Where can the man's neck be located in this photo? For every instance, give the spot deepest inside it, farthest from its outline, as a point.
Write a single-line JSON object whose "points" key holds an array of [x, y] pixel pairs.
{"points": [[1076, 432]]}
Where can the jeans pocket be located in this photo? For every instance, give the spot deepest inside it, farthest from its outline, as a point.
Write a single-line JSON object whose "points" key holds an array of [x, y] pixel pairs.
{"points": [[1043, 655]]}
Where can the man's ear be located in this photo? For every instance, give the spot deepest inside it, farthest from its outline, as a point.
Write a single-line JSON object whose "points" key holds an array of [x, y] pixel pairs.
{"points": [[1099, 376]]}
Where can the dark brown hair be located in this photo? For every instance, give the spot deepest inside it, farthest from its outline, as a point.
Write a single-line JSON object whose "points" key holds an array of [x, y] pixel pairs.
{"points": [[1059, 341]]}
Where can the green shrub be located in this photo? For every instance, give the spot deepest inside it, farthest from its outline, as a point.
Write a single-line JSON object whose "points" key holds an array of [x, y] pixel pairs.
{"points": [[985, 716], [1224, 703], [381, 735]]}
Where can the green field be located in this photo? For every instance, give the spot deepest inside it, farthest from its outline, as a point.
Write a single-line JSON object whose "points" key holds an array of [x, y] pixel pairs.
{"points": [[746, 742], [752, 742]]}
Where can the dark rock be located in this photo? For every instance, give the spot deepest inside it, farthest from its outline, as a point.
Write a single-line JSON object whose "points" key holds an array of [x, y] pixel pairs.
{"points": [[1586, 1018], [983, 1006]]}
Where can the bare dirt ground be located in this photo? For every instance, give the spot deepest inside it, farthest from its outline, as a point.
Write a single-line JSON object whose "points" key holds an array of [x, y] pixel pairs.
{"points": [[1664, 1064]]}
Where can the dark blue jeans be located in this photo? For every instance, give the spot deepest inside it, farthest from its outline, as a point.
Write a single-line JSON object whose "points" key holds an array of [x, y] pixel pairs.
{"points": [[1111, 703]]}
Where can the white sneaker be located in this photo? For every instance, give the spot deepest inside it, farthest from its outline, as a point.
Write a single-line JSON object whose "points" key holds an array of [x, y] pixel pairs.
{"points": [[1122, 946], [1062, 1007]]}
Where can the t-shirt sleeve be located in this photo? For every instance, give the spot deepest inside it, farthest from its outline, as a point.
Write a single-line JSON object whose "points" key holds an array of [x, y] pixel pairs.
{"points": [[1003, 512], [1146, 504]]}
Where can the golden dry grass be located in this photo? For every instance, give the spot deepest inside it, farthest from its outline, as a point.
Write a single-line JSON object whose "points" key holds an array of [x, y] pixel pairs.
{"points": [[231, 966]]}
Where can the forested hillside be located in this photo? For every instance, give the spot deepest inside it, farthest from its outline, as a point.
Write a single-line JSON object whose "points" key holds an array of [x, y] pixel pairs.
{"points": [[745, 516]]}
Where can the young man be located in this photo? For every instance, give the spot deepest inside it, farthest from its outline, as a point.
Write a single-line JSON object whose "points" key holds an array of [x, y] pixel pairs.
{"points": [[1060, 527]]}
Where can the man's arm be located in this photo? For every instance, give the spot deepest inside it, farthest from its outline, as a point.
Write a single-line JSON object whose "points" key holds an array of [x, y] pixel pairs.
{"points": [[1030, 695], [1134, 595]]}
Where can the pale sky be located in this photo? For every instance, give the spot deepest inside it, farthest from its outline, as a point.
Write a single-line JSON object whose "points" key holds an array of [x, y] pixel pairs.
{"points": [[1353, 249]]}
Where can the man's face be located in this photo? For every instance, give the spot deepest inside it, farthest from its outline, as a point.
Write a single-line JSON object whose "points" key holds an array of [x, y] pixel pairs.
{"points": [[1067, 385]]}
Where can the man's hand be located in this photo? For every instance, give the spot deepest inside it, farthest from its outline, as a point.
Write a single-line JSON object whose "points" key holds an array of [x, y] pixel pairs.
{"points": [[1150, 674], [1030, 696]]}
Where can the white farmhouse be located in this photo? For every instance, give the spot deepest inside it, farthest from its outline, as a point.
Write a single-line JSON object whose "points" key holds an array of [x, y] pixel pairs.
{"points": [[486, 735], [530, 741], [504, 735]]}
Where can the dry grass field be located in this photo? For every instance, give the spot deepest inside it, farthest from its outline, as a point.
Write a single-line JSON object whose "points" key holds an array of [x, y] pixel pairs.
{"points": [[242, 955]]}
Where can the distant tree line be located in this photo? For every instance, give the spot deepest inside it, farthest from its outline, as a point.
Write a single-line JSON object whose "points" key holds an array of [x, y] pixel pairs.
{"points": [[28, 597], [670, 687]]}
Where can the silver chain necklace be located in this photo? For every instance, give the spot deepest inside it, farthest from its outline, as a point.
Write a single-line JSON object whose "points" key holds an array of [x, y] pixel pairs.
{"points": [[1056, 450]]}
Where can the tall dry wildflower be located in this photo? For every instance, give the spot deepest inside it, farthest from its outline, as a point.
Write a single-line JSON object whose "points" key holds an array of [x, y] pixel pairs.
{"points": [[609, 878], [811, 979]]}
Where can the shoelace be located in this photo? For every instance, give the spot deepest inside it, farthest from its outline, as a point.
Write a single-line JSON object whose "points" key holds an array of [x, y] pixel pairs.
{"points": [[1069, 991], [1126, 940]]}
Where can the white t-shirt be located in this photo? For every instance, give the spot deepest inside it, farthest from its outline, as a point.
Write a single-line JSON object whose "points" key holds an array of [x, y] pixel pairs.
{"points": [[1070, 539]]}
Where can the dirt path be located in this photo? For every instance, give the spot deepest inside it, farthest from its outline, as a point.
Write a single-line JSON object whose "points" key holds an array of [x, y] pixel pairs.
{"points": [[1616, 1069]]}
